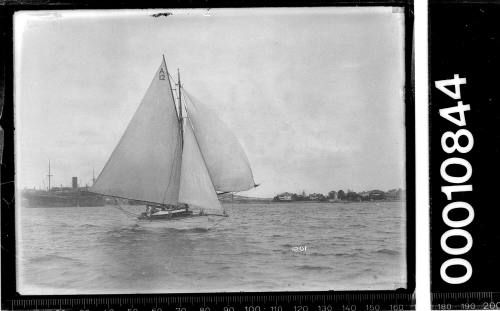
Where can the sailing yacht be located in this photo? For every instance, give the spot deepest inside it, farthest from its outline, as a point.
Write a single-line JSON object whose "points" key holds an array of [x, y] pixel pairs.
{"points": [[175, 157]]}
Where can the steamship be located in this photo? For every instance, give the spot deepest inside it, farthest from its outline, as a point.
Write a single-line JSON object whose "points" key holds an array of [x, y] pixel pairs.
{"points": [[73, 196]]}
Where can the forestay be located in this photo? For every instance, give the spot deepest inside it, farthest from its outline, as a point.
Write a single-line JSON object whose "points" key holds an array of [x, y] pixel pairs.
{"points": [[146, 163]]}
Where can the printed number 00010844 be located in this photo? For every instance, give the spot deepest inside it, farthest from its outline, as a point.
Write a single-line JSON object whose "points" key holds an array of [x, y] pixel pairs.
{"points": [[450, 143]]}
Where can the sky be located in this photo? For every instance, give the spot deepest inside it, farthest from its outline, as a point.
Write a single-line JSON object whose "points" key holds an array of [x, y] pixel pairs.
{"points": [[314, 95]]}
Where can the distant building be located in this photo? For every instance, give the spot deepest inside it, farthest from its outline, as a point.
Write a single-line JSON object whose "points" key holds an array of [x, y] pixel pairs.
{"points": [[299, 197], [286, 196], [396, 194], [365, 195], [316, 197], [393, 194], [377, 195], [353, 196]]}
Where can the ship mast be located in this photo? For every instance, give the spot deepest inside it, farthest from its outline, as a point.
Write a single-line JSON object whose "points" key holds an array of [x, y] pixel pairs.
{"points": [[179, 117], [179, 99], [49, 175]]}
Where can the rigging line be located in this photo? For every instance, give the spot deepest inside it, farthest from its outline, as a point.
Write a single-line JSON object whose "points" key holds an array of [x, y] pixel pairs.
{"points": [[177, 158], [119, 207], [186, 98], [170, 84], [176, 153]]}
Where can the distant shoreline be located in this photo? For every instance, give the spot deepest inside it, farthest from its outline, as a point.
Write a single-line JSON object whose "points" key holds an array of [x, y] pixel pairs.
{"points": [[270, 201]]}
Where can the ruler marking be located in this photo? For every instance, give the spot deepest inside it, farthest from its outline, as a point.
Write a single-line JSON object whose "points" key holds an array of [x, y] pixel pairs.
{"points": [[336, 299]]}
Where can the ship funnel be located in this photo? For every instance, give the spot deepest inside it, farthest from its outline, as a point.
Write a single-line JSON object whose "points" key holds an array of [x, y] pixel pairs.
{"points": [[75, 183]]}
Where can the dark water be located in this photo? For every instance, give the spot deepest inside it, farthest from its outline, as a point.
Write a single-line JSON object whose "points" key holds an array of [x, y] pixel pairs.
{"points": [[101, 250]]}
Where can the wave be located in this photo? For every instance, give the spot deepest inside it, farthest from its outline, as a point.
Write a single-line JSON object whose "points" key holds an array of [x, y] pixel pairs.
{"points": [[357, 226], [345, 255], [195, 230], [89, 226], [383, 231], [258, 253], [367, 270], [123, 231], [318, 255], [54, 259], [386, 251], [359, 273], [312, 268]]}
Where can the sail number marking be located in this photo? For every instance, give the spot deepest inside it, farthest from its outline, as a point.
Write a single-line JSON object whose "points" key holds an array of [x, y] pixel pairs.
{"points": [[161, 74], [456, 144]]}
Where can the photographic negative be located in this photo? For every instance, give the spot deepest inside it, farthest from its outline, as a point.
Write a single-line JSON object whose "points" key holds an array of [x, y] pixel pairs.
{"points": [[224, 150]]}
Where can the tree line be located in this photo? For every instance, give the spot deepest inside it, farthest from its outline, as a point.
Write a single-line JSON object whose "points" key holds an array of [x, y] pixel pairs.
{"points": [[341, 195]]}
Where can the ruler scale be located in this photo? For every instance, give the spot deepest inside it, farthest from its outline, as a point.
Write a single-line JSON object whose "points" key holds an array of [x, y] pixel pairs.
{"points": [[225, 302], [466, 301]]}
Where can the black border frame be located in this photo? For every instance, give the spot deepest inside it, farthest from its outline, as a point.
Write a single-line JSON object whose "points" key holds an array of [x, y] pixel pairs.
{"points": [[466, 43], [8, 252]]}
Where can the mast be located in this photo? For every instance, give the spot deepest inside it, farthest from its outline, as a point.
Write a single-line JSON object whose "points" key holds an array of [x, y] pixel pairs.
{"points": [[179, 99], [179, 118], [49, 175]]}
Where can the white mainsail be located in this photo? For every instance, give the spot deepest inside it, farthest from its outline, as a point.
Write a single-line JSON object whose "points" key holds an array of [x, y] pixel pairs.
{"points": [[146, 163], [196, 187], [225, 159]]}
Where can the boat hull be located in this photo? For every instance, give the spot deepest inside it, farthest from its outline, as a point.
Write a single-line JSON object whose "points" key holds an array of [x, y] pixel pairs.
{"points": [[205, 222]]}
